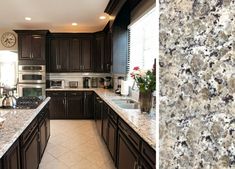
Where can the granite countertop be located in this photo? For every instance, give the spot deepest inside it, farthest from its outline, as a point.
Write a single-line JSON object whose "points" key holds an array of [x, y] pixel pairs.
{"points": [[143, 124], [17, 120]]}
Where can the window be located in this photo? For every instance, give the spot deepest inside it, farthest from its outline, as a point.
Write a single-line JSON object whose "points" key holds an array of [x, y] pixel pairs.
{"points": [[8, 68], [143, 41]]}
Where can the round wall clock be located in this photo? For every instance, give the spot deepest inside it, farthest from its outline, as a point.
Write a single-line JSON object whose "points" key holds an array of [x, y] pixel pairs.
{"points": [[8, 39]]}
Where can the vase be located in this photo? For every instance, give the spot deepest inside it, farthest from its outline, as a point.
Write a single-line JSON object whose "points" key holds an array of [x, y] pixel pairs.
{"points": [[145, 99]]}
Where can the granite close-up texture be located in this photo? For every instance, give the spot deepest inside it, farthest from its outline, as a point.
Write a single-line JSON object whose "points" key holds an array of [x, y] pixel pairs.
{"points": [[197, 84]]}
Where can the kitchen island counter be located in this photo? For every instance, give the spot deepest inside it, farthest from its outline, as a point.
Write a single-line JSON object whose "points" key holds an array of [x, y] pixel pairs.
{"points": [[17, 120], [143, 124]]}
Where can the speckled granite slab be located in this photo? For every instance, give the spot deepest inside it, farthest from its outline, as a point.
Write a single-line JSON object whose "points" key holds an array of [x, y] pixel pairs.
{"points": [[16, 122], [143, 124]]}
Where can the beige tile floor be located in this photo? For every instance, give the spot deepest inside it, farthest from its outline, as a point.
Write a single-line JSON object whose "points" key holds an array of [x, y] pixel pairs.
{"points": [[75, 144]]}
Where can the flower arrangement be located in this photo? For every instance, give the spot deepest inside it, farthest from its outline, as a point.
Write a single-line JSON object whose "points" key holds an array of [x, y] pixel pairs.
{"points": [[145, 79]]}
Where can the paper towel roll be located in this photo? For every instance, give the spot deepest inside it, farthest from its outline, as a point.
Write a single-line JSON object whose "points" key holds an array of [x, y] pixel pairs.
{"points": [[124, 88]]}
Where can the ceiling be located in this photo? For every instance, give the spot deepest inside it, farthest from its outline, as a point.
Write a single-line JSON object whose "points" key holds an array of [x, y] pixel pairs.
{"points": [[54, 15]]}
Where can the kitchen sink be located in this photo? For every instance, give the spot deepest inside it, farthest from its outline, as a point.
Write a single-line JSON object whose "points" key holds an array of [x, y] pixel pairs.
{"points": [[126, 103]]}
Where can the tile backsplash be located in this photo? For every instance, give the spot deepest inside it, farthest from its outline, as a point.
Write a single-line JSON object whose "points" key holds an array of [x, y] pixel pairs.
{"points": [[74, 77]]}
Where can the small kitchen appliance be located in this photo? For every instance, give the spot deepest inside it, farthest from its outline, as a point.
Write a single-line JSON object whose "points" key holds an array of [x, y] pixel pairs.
{"points": [[86, 83], [107, 82], [94, 82], [9, 100], [118, 90], [73, 84], [57, 83]]}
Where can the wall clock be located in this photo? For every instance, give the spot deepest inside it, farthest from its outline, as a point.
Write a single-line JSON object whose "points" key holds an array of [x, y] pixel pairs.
{"points": [[8, 39]]}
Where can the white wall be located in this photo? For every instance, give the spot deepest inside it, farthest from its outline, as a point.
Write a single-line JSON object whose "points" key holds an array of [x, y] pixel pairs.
{"points": [[15, 47]]}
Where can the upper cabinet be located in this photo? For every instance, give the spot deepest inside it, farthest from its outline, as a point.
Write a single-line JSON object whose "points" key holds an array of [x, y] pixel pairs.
{"points": [[31, 46], [70, 53], [89, 52]]}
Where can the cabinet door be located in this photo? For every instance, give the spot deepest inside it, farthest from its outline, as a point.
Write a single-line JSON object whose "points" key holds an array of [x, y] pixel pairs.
{"points": [[48, 133], [30, 152], [75, 105], [57, 105], [99, 54], [12, 158], [127, 156], [38, 47], [112, 138], [75, 55], [98, 113], [63, 65], [86, 53], [105, 122], [54, 54], [43, 139], [108, 52], [88, 105], [24, 47]]}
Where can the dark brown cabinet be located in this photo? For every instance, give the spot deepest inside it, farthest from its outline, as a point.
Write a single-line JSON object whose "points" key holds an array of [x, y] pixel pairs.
{"points": [[86, 55], [99, 56], [11, 159], [88, 105], [59, 53], [71, 105], [57, 105], [43, 136], [112, 139], [127, 155], [98, 108], [75, 60], [30, 151], [105, 122], [31, 46], [70, 53], [75, 105], [80, 58]]}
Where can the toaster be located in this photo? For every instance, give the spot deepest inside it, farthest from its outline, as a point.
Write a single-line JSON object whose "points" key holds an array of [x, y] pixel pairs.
{"points": [[73, 84]]}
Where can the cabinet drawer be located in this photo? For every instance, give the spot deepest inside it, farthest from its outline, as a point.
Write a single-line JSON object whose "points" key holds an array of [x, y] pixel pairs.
{"points": [[74, 93], [131, 135], [113, 116], [55, 94], [28, 131], [149, 154]]}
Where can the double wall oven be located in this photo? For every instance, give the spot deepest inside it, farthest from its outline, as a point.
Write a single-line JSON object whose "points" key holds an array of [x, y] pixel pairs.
{"points": [[32, 80]]}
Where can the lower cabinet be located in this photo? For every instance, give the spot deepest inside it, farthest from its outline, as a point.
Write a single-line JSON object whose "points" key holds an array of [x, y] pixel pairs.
{"points": [[105, 123], [57, 105], [112, 137], [71, 105], [98, 108], [127, 155], [30, 151], [75, 106], [88, 105], [11, 159]]}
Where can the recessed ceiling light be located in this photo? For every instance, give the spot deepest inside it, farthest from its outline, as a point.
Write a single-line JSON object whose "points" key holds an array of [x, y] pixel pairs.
{"points": [[27, 18], [102, 17], [74, 24]]}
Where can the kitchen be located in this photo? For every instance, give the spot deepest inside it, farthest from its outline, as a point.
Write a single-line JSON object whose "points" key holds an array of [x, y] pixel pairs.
{"points": [[69, 112]]}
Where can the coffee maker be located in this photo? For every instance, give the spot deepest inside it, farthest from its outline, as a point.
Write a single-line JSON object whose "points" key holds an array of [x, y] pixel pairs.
{"points": [[107, 82], [86, 83], [118, 90]]}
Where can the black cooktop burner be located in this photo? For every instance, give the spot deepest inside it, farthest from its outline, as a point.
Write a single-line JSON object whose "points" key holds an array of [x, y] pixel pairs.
{"points": [[28, 102]]}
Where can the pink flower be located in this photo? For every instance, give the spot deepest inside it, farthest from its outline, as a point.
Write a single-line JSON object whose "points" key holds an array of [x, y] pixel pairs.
{"points": [[136, 68]]}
